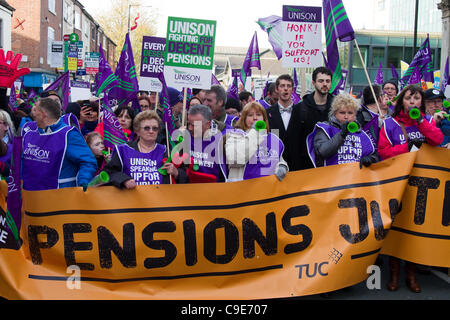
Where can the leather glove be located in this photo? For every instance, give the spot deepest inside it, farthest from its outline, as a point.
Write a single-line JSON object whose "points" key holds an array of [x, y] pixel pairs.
{"points": [[85, 187], [280, 172], [344, 129], [414, 142], [8, 71], [365, 161]]}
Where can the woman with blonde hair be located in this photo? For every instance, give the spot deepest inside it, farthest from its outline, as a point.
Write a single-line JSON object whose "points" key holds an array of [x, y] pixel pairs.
{"points": [[251, 150], [334, 142]]}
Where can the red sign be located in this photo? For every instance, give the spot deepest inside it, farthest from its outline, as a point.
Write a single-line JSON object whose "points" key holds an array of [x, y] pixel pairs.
{"points": [[66, 37]]}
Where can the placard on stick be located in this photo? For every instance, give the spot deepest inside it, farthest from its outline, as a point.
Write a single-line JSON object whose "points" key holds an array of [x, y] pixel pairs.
{"points": [[302, 37], [189, 53]]}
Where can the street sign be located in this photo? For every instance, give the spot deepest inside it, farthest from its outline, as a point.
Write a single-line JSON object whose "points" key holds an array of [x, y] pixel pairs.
{"points": [[73, 37], [66, 37]]}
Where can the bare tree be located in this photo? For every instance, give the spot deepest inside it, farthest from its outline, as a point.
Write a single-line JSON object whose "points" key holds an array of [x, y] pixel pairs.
{"points": [[115, 21]]}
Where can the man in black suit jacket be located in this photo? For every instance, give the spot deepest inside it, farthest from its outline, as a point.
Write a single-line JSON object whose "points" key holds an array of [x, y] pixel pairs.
{"points": [[284, 117]]}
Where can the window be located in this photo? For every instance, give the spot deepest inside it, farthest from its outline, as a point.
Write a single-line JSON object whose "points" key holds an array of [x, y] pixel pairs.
{"points": [[50, 38], [381, 5], [1, 33], [86, 27], [68, 13], [377, 56], [395, 54], [356, 59], [104, 42], [51, 6], [77, 20], [98, 38]]}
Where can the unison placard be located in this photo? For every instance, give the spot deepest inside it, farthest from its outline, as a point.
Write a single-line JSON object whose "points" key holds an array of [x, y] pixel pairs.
{"points": [[189, 52]]}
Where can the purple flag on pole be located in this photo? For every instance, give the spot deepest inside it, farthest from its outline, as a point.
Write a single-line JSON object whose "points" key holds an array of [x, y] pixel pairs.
{"points": [[233, 90], [214, 80], [61, 86], [415, 77], [394, 72], [14, 200], [112, 130], [165, 105], [423, 61], [127, 87], [105, 78], [379, 77], [337, 26], [273, 26], [13, 98], [295, 97], [251, 59], [445, 77]]}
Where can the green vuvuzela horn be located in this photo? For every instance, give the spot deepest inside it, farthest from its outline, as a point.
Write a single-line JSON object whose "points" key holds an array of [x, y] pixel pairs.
{"points": [[352, 127], [414, 113], [260, 125]]}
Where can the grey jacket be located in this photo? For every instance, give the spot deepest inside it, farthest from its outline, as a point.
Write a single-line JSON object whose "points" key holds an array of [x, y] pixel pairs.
{"points": [[324, 147]]}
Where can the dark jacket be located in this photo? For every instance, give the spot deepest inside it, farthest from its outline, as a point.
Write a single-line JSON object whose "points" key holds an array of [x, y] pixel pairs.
{"points": [[117, 177], [309, 115], [290, 136]]}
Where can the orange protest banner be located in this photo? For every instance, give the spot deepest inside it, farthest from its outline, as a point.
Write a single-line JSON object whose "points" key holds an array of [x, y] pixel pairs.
{"points": [[421, 233], [317, 231]]}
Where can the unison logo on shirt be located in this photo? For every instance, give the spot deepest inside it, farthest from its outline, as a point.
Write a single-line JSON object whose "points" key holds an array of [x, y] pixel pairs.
{"points": [[36, 152]]}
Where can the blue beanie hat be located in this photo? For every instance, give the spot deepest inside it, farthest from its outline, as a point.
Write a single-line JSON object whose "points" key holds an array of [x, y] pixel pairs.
{"points": [[175, 96]]}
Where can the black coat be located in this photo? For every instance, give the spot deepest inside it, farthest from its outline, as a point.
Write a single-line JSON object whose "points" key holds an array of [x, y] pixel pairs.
{"points": [[290, 136], [309, 115]]}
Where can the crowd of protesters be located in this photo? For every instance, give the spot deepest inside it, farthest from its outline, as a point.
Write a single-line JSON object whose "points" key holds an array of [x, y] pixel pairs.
{"points": [[223, 139]]}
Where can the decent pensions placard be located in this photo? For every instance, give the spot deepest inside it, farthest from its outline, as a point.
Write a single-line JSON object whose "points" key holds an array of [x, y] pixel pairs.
{"points": [[316, 231], [189, 53]]}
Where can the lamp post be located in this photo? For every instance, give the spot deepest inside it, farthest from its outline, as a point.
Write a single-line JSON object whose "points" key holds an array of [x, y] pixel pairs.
{"points": [[416, 16]]}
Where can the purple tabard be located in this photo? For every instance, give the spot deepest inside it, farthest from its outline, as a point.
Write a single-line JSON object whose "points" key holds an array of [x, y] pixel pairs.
{"points": [[356, 145], [204, 154], [7, 157], [142, 167], [264, 103], [265, 159], [395, 134], [43, 156]]}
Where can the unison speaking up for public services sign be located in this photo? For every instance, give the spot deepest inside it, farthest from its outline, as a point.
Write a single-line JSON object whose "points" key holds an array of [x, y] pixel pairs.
{"points": [[189, 52]]}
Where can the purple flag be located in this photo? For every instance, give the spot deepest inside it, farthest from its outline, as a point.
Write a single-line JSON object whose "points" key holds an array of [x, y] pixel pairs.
{"points": [[445, 77], [13, 98], [14, 200], [214, 80], [165, 105], [112, 130], [379, 77], [337, 26], [251, 59], [423, 61], [266, 86], [273, 26], [295, 97], [61, 86], [415, 77], [105, 78], [127, 87], [394, 72], [233, 90]]}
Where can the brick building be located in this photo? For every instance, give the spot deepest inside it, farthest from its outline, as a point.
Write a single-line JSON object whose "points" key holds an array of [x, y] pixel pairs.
{"points": [[43, 21]]}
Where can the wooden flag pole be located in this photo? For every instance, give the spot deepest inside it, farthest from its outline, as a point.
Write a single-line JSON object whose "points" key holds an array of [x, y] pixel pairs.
{"points": [[168, 148], [183, 119], [368, 79], [157, 101]]}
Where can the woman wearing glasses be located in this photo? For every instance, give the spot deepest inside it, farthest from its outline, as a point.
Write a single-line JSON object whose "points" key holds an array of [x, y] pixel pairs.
{"points": [[137, 162]]}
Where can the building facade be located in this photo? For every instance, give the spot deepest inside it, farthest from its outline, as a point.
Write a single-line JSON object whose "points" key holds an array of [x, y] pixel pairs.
{"points": [[387, 47], [6, 12], [44, 21]]}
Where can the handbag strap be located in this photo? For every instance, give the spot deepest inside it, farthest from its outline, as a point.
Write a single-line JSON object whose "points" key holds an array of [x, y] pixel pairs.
{"points": [[402, 126]]}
